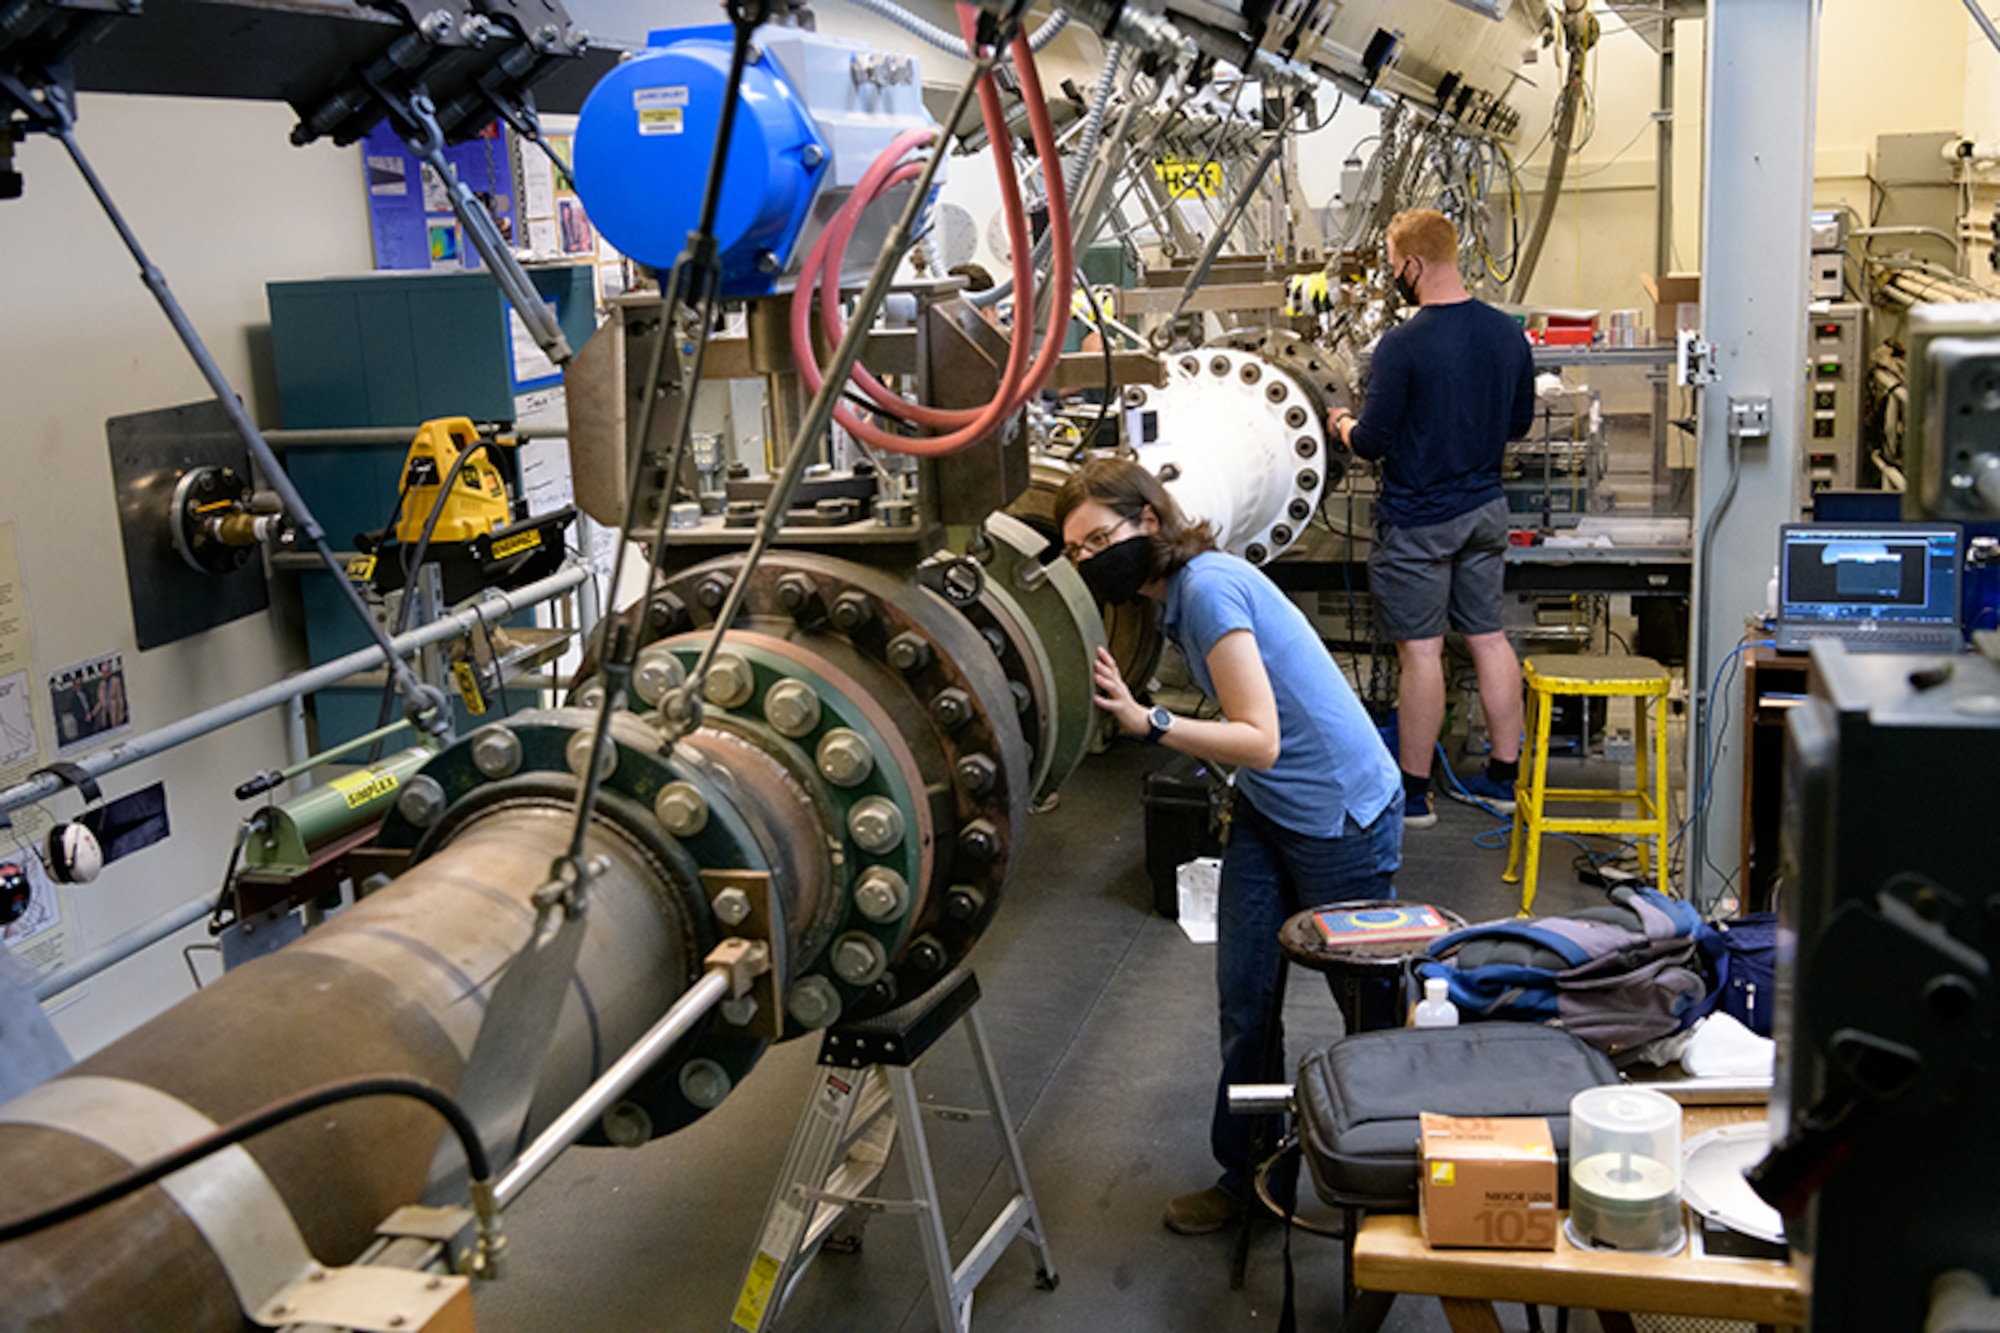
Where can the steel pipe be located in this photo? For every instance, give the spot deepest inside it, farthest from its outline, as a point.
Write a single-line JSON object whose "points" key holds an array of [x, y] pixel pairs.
{"points": [[398, 984], [117, 951], [493, 606], [356, 436], [616, 1081]]}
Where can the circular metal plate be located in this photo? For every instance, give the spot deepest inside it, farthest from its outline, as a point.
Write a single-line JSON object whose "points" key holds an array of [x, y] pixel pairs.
{"points": [[1241, 445], [1712, 1167], [1328, 377]]}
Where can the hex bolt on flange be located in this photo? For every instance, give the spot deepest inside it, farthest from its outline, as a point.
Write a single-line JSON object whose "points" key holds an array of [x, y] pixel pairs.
{"points": [[977, 773], [795, 594], [730, 682], [851, 611], [577, 755], [843, 758], [705, 1083], [792, 708], [881, 894], [952, 708], [731, 907], [813, 1003], [422, 801], [876, 823], [979, 840], [908, 652], [496, 752], [658, 672], [681, 809], [859, 959]]}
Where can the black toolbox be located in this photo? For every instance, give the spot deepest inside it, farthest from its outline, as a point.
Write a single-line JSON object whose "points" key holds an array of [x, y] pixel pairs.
{"points": [[1183, 800]]}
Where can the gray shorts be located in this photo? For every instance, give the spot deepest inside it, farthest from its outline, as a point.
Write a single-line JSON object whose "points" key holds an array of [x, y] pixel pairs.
{"points": [[1445, 573]]}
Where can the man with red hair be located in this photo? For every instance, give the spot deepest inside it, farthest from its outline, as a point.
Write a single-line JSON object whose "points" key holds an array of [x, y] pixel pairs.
{"points": [[1447, 389]]}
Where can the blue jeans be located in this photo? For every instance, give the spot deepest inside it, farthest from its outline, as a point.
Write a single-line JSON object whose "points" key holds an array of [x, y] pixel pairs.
{"points": [[1270, 874]]}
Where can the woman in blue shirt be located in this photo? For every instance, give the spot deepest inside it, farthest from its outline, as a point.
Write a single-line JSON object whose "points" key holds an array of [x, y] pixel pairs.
{"points": [[1319, 805]]}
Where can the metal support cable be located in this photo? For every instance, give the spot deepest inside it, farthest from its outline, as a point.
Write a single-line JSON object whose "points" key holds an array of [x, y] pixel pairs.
{"points": [[696, 280], [425, 705], [1985, 23], [819, 415], [1164, 333], [490, 608], [1703, 702], [417, 122], [1099, 177]]}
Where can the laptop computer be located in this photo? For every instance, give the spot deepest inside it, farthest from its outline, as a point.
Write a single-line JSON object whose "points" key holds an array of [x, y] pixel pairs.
{"points": [[1877, 587]]}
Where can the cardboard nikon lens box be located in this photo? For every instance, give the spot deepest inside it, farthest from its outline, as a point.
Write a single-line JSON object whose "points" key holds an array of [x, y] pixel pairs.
{"points": [[1487, 1184]]}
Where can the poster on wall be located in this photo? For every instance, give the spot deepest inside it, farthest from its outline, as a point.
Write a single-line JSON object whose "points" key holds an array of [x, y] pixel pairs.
{"points": [[554, 224], [18, 740], [409, 204], [388, 175], [87, 701], [42, 937]]}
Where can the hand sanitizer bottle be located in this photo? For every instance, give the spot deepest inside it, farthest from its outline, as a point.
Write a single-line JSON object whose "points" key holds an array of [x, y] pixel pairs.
{"points": [[1436, 1009]]}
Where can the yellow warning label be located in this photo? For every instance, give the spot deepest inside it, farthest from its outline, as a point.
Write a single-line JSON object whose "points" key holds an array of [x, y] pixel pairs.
{"points": [[361, 788], [1444, 1173], [519, 542], [756, 1293], [361, 569], [1189, 180], [661, 110], [468, 688]]}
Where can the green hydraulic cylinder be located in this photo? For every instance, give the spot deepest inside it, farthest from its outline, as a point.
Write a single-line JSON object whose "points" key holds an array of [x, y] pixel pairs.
{"points": [[297, 835]]}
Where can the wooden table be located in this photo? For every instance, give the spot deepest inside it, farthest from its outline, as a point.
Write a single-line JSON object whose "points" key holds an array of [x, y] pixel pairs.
{"points": [[1390, 1256]]}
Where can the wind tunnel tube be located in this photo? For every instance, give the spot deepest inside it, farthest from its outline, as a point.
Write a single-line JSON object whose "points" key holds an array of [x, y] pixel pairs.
{"points": [[859, 784]]}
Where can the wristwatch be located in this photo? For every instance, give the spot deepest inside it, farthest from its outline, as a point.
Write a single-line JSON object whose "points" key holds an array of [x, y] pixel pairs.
{"points": [[1158, 720]]}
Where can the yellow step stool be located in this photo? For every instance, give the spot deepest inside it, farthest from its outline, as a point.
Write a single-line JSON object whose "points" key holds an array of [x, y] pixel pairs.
{"points": [[1638, 678]]}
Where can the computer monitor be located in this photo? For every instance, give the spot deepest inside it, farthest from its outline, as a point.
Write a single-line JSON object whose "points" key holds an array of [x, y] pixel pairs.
{"points": [[1857, 506], [1892, 586]]}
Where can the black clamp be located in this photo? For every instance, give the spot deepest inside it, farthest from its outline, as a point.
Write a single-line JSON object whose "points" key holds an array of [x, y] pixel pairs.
{"points": [[73, 775]]}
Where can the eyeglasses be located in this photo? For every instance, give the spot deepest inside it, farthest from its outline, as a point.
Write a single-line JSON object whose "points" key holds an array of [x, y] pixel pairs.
{"points": [[1095, 543]]}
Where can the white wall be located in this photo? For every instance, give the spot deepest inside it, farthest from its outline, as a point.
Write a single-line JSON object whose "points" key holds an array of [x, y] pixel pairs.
{"points": [[1911, 67], [224, 203]]}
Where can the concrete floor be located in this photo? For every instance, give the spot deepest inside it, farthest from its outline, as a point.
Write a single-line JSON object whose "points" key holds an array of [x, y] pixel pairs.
{"points": [[1101, 1015]]}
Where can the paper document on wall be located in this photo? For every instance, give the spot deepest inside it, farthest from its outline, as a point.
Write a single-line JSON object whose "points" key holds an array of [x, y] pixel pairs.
{"points": [[43, 937]]}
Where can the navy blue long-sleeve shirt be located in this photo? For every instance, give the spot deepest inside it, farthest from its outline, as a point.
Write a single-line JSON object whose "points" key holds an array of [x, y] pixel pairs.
{"points": [[1448, 388]]}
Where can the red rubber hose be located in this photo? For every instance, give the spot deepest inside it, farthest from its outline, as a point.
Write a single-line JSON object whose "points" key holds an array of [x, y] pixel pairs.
{"points": [[1019, 381]]}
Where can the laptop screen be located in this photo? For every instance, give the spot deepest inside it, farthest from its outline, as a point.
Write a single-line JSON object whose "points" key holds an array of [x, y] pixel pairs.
{"points": [[1906, 573]]}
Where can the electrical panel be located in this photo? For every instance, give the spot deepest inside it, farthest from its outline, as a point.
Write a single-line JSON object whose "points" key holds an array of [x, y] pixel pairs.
{"points": [[1836, 337]]}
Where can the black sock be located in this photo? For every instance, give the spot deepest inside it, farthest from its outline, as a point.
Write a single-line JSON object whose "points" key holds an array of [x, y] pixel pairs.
{"points": [[1503, 771], [1415, 788]]}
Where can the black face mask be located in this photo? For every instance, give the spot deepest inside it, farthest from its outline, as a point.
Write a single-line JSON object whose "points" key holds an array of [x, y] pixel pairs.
{"points": [[1406, 291], [1115, 574]]}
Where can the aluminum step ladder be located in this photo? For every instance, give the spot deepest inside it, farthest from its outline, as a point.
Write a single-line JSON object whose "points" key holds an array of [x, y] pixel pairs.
{"points": [[865, 1094]]}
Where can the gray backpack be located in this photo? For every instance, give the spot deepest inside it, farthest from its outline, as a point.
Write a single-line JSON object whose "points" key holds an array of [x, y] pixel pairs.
{"points": [[1618, 976]]}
